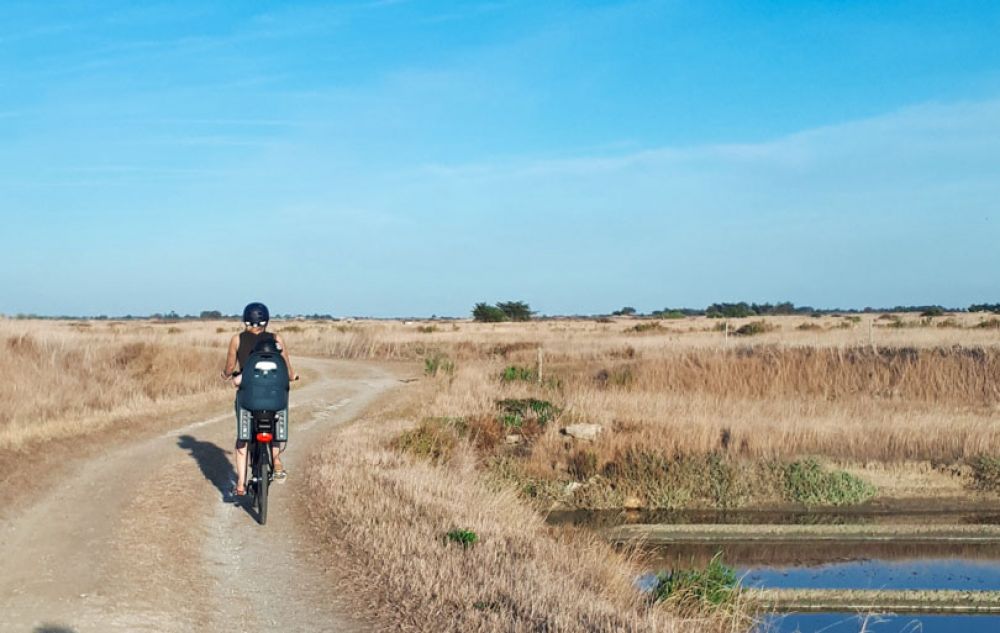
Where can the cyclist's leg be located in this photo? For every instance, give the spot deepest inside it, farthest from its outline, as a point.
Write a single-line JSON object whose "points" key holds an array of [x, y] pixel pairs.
{"points": [[241, 452], [276, 449], [241, 464]]}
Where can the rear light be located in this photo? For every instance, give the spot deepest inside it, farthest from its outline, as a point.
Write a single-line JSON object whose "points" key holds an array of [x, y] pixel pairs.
{"points": [[264, 437]]}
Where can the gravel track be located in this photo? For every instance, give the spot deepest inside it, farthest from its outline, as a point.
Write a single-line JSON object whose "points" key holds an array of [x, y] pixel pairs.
{"points": [[146, 538]]}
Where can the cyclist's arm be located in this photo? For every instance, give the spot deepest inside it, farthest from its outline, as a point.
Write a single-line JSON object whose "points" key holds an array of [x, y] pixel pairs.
{"points": [[234, 345], [284, 354]]}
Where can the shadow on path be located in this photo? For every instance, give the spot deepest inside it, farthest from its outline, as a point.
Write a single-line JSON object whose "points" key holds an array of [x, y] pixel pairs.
{"points": [[52, 628], [213, 462]]}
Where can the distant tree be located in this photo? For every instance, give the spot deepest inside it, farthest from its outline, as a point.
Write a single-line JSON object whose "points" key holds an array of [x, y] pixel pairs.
{"points": [[210, 315], [485, 313], [516, 310], [626, 311], [729, 310], [985, 307]]}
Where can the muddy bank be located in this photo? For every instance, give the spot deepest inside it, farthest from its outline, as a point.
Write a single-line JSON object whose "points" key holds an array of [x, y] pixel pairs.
{"points": [[888, 512]]}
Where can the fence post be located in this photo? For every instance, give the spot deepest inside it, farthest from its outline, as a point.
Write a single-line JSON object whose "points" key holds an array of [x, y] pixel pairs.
{"points": [[541, 357]]}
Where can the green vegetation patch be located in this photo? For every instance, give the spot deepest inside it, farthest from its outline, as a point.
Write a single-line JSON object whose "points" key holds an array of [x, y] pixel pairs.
{"points": [[711, 587], [986, 473], [515, 373], [807, 482], [463, 537], [514, 412]]}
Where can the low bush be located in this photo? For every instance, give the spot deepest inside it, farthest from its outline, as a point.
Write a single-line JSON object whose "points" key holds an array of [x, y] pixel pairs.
{"points": [[434, 438], [755, 327], [986, 473], [812, 327], [646, 327], [989, 324], [427, 329], [514, 412], [807, 482]]}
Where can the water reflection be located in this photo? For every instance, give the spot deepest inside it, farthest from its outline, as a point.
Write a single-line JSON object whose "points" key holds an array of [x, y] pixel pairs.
{"points": [[853, 623]]}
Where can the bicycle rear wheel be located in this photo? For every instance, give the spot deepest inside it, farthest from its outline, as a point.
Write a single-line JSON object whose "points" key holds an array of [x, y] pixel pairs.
{"points": [[262, 473]]}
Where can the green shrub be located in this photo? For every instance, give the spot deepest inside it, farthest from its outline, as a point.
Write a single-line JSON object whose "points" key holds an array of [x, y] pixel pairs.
{"points": [[712, 587], [933, 311], [811, 327], [514, 373], [669, 314], [986, 473], [806, 482], [989, 324], [465, 538], [427, 329]]}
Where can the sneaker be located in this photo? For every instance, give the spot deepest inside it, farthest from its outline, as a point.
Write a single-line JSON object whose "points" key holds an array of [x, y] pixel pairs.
{"points": [[280, 475]]}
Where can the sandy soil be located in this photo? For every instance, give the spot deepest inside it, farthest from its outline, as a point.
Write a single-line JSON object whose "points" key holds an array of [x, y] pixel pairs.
{"points": [[145, 536]]}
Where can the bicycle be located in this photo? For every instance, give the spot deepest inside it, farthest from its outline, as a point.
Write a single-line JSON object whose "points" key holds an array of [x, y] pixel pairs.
{"points": [[262, 418], [260, 461]]}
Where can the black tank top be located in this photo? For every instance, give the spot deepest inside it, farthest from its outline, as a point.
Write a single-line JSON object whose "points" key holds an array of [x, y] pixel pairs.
{"points": [[248, 341]]}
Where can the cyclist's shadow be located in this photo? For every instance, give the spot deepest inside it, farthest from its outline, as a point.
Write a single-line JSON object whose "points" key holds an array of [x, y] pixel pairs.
{"points": [[213, 462]]}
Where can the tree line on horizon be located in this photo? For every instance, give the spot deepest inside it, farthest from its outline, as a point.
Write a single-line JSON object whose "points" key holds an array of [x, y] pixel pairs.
{"points": [[502, 311], [744, 309]]}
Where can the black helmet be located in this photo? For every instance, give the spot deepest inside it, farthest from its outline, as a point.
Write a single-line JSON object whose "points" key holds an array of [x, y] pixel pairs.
{"points": [[256, 314], [267, 345]]}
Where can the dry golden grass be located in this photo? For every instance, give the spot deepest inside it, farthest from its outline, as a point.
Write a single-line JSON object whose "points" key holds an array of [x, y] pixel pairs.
{"points": [[65, 379], [921, 394], [389, 514]]}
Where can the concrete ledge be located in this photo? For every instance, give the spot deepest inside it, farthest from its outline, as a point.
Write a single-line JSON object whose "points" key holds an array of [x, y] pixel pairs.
{"points": [[880, 601], [735, 533]]}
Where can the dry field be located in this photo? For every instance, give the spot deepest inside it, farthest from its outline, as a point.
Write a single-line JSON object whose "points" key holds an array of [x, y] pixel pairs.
{"points": [[60, 380], [689, 417]]}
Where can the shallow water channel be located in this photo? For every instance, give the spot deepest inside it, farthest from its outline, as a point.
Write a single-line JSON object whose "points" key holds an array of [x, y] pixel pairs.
{"points": [[882, 565]]}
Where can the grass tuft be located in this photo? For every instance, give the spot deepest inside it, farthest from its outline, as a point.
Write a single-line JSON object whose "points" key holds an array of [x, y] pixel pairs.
{"points": [[713, 587]]}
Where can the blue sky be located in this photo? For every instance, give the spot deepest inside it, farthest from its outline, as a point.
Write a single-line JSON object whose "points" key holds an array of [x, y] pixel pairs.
{"points": [[412, 158]]}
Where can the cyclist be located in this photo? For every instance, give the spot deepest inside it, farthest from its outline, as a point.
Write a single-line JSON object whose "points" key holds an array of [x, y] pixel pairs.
{"points": [[255, 318]]}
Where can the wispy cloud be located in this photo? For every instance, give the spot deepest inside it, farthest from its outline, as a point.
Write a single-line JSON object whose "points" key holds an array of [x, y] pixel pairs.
{"points": [[925, 131]]}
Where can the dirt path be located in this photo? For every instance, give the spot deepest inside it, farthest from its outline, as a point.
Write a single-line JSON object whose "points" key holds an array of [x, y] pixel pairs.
{"points": [[147, 539]]}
